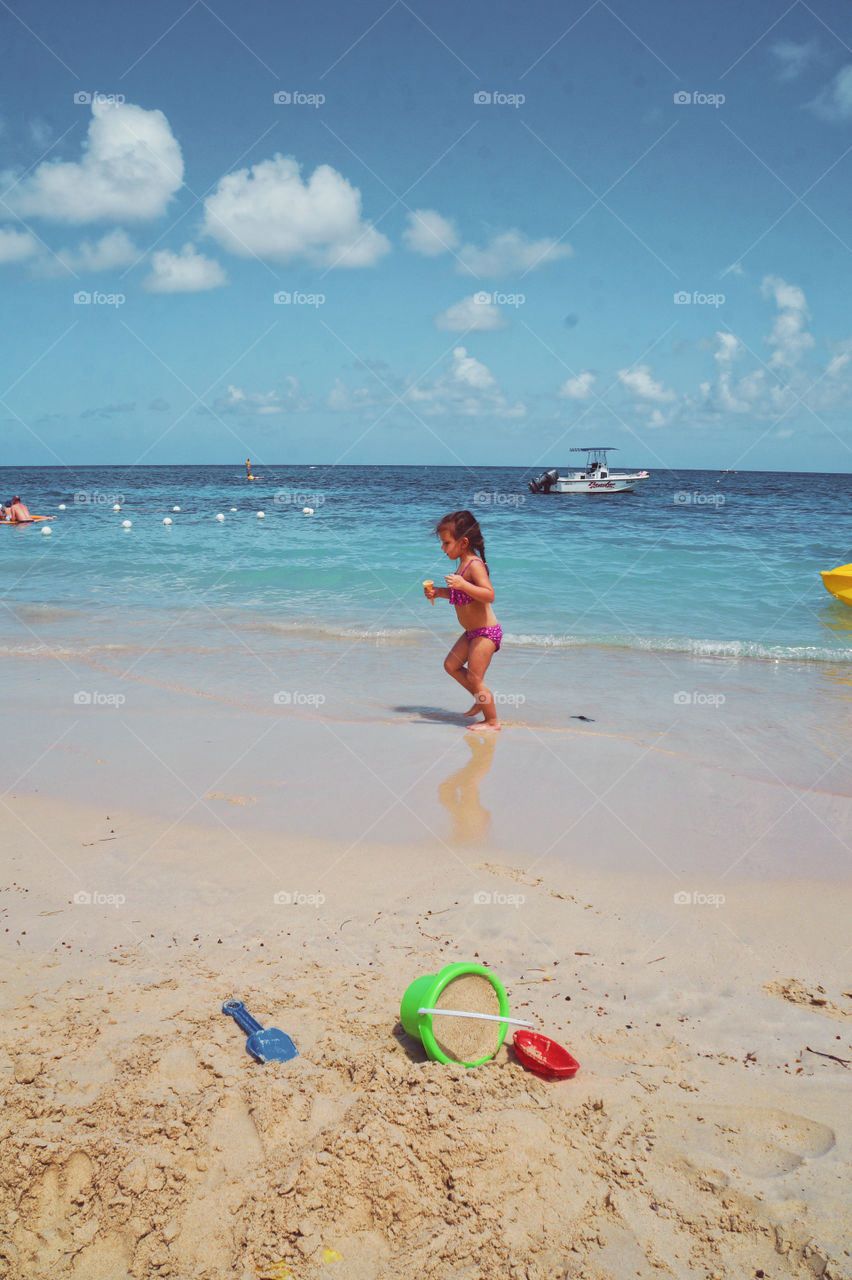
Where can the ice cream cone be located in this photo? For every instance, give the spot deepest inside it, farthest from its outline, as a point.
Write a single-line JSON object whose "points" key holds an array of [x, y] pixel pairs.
{"points": [[427, 582]]}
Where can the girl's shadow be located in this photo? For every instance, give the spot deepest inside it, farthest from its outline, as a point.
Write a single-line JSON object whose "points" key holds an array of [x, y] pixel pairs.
{"points": [[433, 715]]}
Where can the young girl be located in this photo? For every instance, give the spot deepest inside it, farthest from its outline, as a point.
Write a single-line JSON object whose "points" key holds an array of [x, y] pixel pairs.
{"points": [[471, 592]]}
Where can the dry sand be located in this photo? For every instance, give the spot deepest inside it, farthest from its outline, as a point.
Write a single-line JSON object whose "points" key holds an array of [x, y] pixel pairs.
{"points": [[707, 1133]]}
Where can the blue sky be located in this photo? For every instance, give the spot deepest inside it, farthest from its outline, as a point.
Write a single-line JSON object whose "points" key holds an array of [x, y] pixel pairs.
{"points": [[503, 230]]}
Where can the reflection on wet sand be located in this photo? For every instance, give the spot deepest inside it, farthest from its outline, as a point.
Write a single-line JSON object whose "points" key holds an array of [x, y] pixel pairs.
{"points": [[459, 794]]}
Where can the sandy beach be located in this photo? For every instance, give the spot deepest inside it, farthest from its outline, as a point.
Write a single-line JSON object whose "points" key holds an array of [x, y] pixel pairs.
{"points": [[670, 903]]}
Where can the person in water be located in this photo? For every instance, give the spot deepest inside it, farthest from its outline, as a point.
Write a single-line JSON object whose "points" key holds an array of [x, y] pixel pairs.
{"points": [[471, 592], [248, 468], [18, 512]]}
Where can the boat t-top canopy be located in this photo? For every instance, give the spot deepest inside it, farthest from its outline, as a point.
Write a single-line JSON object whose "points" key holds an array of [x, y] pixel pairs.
{"points": [[595, 448]]}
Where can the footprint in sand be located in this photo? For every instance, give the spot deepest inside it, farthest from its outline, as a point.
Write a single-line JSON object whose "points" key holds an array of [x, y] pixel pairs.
{"points": [[755, 1141], [795, 992]]}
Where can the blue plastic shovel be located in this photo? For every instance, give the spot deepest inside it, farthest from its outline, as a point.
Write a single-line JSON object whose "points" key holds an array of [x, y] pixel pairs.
{"points": [[270, 1045]]}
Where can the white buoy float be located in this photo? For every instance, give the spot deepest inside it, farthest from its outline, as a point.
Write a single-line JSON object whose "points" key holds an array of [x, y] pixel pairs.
{"points": [[46, 531], [261, 515], [127, 524], [168, 520], [233, 508], [175, 508], [307, 511], [116, 507], [62, 506], [220, 518]]}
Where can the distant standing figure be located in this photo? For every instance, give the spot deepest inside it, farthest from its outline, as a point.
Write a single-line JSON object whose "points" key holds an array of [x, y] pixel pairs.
{"points": [[471, 592], [248, 468]]}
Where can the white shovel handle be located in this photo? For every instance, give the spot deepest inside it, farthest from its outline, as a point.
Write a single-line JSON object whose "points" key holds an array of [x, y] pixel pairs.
{"points": [[486, 1017]]}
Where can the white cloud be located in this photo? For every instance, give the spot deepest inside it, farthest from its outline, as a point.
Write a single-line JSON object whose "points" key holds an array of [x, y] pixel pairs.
{"points": [[467, 388], [344, 399], [17, 245], [130, 168], [268, 211], [470, 314], [115, 249], [186, 272], [430, 234], [510, 251], [789, 338], [263, 403], [644, 386], [834, 102], [794, 58], [578, 388]]}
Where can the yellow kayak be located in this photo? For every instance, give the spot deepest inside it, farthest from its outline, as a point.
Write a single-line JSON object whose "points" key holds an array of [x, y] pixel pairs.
{"points": [[839, 582]]}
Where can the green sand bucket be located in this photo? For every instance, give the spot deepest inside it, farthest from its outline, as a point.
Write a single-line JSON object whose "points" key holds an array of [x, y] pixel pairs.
{"points": [[469, 1041]]}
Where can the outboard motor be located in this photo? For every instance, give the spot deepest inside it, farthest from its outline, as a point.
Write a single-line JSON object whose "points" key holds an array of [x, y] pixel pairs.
{"points": [[544, 482]]}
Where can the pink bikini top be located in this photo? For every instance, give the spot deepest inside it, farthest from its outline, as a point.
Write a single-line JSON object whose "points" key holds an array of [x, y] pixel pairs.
{"points": [[461, 597]]}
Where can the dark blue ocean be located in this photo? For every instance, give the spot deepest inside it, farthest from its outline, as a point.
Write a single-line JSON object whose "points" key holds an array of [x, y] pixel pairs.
{"points": [[697, 562]]}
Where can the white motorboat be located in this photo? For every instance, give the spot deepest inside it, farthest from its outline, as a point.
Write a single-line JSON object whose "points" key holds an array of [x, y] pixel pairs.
{"points": [[595, 477]]}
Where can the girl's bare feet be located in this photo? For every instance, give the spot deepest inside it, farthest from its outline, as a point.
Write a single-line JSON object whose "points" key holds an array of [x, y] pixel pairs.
{"points": [[490, 726]]}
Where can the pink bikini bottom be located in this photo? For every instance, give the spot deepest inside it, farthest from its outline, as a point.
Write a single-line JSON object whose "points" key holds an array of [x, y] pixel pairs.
{"points": [[494, 634]]}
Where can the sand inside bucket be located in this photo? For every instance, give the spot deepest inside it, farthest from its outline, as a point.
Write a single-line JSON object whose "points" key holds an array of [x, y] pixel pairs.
{"points": [[467, 1039]]}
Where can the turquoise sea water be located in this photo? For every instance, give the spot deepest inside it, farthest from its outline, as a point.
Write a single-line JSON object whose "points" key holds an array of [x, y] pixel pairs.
{"points": [[695, 562]]}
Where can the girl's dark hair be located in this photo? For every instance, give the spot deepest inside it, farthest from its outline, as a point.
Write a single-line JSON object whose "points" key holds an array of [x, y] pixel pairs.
{"points": [[464, 525]]}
